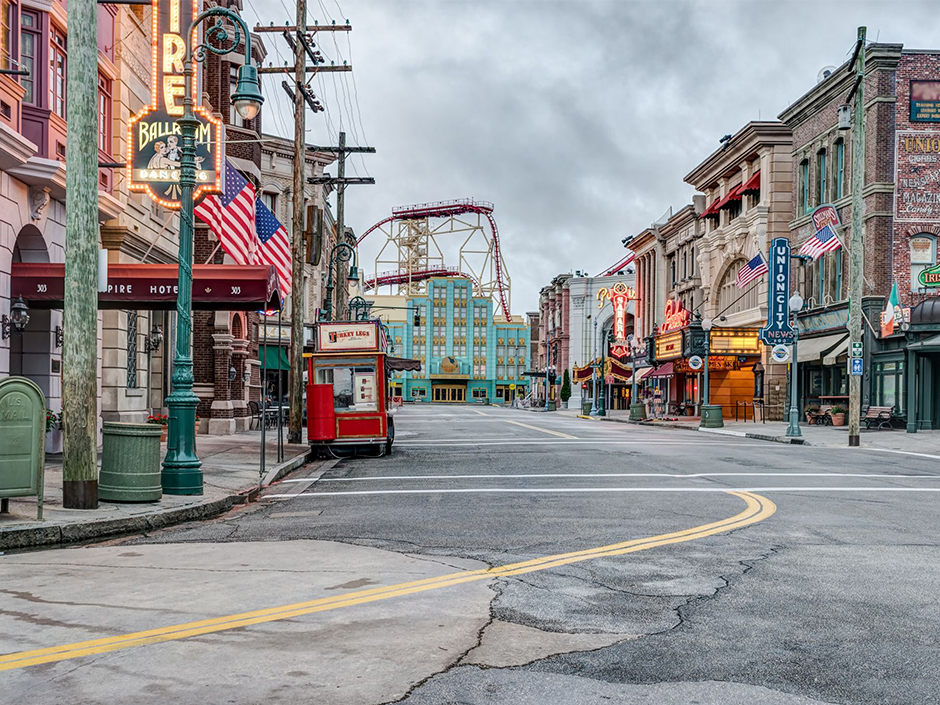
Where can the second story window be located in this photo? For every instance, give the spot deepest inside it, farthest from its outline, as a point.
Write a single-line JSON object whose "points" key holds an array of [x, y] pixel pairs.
{"points": [[821, 176], [840, 169], [804, 187], [6, 33], [57, 72], [104, 115], [29, 46]]}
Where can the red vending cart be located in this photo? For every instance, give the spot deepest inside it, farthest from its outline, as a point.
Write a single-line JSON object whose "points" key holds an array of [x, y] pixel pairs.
{"points": [[348, 406]]}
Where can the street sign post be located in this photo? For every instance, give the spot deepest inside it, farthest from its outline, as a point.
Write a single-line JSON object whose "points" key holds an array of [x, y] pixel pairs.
{"points": [[857, 349], [857, 368], [778, 328]]}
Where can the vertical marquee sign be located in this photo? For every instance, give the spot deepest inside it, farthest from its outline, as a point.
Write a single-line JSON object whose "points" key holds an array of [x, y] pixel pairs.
{"points": [[154, 143], [778, 330], [619, 294]]}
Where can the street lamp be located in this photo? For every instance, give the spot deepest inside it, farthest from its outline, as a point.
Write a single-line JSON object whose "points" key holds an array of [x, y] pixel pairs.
{"points": [[793, 430], [18, 319], [594, 373], [342, 252], [182, 472], [711, 414]]}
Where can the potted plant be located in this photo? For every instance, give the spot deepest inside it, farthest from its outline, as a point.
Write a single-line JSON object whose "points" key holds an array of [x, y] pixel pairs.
{"points": [[565, 390], [160, 420], [811, 412], [837, 413], [197, 424], [53, 432]]}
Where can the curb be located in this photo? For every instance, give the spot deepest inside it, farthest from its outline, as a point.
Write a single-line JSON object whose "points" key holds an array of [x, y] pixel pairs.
{"points": [[719, 431], [74, 532]]}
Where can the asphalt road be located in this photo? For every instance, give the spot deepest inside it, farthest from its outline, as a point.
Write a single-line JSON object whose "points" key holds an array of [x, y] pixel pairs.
{"points": [[504, 556]]}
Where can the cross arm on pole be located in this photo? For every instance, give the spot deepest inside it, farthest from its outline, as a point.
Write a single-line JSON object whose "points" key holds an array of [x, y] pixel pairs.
{"points": [[341, 181], [309, 28], [310, 69]]}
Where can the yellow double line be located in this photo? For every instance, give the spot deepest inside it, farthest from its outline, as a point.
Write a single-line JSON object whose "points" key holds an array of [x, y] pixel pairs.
{"points": [[758, 508]]}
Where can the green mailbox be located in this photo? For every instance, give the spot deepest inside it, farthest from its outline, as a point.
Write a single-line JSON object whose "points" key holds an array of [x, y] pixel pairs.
{"points": [[23, 430]]}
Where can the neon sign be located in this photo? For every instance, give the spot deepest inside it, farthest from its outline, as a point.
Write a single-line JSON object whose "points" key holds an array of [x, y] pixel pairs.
{"points": [[619, 295], [154, 143], [675, 316]]}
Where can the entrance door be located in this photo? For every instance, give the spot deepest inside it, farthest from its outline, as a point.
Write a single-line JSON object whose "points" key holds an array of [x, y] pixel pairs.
{"points": [[450, 393]]}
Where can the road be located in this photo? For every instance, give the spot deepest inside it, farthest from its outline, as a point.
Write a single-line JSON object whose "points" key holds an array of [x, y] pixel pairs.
{"points": [[503, 556]]}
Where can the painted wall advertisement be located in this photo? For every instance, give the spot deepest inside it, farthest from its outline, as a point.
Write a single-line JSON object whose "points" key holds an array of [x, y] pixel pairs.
{"points": [[918, 176], [925, 101], [154, 142]]}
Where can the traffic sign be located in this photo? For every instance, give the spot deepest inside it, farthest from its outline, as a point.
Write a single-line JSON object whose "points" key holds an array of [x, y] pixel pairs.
{"points": [[512, 386], [695, 363], [857, 349], [780, 354], [857, 369]]}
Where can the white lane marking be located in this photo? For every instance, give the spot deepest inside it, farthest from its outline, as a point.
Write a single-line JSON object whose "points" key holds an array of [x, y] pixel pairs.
{"points": [[625, 474], [563, 442], [903, 452], [570, 490], [543, 430]]}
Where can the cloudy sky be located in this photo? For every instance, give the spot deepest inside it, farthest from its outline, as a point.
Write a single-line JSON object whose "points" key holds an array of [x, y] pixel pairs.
{"points": [[577, 119]]}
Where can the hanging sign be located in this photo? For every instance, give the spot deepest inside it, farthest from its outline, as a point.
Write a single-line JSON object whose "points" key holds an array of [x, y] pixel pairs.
{"points": [[619, 295], [695, 363], [675, 317], [930, 276], [778, 328], [154, 141], [780, 353]]}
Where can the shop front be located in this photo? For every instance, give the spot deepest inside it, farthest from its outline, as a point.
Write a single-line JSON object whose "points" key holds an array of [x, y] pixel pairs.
{"points": [[921, 400], [822, 351]]}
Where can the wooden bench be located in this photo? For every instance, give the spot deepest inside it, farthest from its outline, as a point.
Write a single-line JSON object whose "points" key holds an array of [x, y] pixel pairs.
{"points": [[822, 417], [878, 415]]}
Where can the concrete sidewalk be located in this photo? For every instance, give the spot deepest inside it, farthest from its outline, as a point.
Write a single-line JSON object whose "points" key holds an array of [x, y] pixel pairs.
{"points": [[232, 474]]}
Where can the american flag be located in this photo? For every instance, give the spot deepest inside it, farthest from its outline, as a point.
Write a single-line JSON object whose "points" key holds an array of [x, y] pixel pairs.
{"points": [[231, 216], [273, 246], [749, 272], [825, 240]]}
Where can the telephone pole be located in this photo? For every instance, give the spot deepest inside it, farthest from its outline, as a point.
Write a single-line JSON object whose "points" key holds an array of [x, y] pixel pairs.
{"points": [[856, 241], [341, 182], [80, 327], [299, 37]]}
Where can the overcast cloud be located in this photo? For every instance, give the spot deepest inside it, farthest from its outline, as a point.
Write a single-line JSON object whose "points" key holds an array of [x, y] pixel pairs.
{"points": [[577, 119]]}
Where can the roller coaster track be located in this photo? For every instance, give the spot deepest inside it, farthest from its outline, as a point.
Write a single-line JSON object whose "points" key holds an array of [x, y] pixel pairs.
{"points": [[389, 278], [446, 209], [620, 265]]}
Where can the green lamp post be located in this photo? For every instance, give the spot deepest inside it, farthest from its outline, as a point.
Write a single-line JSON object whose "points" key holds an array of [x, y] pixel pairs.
{"points": [[182, 472], [342, 252]]}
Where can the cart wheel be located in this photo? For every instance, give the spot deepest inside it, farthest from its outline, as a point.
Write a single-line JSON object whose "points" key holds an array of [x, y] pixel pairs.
{"points": [[391, 437]]}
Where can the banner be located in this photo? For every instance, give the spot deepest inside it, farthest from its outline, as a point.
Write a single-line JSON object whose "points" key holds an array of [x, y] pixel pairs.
{"points": [[778, 329]]}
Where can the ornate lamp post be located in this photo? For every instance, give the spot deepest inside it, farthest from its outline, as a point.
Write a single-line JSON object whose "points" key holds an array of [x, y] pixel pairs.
{"points": [[594, 373], [711, 414], [342, 252], [793, 430], [181, 467]]}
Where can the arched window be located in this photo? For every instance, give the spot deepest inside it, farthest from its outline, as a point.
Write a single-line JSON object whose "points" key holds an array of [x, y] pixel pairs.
{"points": [[923, 256], [731, 299]]}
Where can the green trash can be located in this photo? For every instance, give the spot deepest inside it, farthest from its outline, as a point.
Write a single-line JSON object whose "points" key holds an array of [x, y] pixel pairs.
{"points": [[586, 408], [130, 462]]}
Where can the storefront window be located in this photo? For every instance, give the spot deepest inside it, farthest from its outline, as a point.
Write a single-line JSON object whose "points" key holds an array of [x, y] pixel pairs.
{"points": [[354, 387], [923, 256], [889, 385]]}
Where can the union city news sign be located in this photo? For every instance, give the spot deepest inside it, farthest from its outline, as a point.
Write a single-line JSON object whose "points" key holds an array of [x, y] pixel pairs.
{"points": [[778, 329], [155, 147]]}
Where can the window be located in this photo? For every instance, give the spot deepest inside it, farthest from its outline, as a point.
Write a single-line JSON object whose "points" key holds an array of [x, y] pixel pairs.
{"points": [[104, 115], [6, 34], [233, 117], [923, 256], [840, 169], [270, 200], [821, 175], [354, 387], [478, 393], [889, 385], [730, 298], [672, 270], [804, 187], [29, 43], [132, 349], [57, 72]]}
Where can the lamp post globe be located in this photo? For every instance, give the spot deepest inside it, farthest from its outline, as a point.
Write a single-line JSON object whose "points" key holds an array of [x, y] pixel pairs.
{"points": [[247, 97]]}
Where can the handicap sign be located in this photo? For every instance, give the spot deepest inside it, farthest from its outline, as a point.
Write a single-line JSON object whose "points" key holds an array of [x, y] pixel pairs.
{"points": [[856, 366]]}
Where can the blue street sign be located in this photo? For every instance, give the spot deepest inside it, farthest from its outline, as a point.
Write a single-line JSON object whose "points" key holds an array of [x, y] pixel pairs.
{"points": [[778, 329], [857, 367]]}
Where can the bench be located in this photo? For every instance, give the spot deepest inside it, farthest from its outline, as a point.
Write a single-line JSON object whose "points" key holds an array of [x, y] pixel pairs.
{"points": [[878, 415], [822, 417]]}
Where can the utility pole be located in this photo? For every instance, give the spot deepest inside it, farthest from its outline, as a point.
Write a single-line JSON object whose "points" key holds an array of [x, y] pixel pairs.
{"points": [[341, 182], [300, 41], [80, 327], [856, 241]]}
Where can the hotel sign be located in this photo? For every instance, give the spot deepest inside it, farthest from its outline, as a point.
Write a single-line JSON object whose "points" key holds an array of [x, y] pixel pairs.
{"points": [[778, 329], [154, 141]]}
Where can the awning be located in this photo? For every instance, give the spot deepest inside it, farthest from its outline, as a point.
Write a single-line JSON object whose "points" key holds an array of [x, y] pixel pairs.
{"points": [[811, 349], [273, 357], [831, 357], [642, 374], [580, 374], [665, 370], [224, 287], [752, 184], [931, 344], [712, 210], [402, 364], [732, 195], [618, 371]]}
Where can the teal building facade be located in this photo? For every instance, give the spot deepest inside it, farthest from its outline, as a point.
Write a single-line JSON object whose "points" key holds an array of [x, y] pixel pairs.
{"points": [[465, 355]]}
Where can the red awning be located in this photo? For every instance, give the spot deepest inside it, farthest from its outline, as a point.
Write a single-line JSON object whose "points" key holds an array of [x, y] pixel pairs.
{"points": [[664, 370], [224, 287], [712, 210], [732, 196], [752, 184]]}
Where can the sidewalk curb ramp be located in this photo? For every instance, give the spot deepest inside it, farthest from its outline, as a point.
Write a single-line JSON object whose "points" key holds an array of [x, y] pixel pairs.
{"points": [[45, 534]]}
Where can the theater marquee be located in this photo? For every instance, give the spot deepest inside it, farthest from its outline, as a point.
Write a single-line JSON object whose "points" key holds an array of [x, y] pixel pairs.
{"points": [[154, 141]]}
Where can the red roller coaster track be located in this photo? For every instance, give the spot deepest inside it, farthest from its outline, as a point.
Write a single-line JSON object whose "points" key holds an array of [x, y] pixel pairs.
{"points": [[445, 209], [620, 265], [389, 278]]}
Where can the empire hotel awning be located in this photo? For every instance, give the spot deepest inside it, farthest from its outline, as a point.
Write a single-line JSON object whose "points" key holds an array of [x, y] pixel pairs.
{"points": [[221, 287]]}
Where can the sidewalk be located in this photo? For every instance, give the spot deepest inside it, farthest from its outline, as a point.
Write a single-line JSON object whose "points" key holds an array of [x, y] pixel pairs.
{"points": [[231, 471], [826, 436]]}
